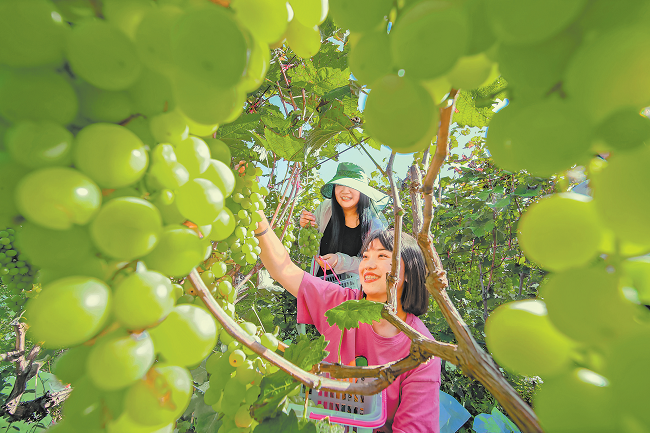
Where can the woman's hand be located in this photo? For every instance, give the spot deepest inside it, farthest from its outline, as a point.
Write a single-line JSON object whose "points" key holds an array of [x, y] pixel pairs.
{"points": [[307, 217], [331, 259]]}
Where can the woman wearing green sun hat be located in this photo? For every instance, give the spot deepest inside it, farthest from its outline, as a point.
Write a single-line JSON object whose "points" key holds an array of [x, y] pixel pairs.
{"points": [[346, 216]]}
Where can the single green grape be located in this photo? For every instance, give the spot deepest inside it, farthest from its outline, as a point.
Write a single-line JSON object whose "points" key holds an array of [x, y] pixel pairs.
{"points": [[561, 231], [142, 300], [69, 311], [48, 248], [605, 84], [39, 144], [622, 201], [398, 112], [525, 23], [200, 201], [194, 154], [415, 39], [186, 336], [31, 34], [303, 40], [589, 305], [161, 396], [237, 358], [543, 138], [153, 38], [361, 15], [219, 150], [206, 102], [36, 94], [111, 155], [169, 127], [151, 94], [205, 41], [70, 366], [243, 417], [371, 59], [266, 18], [119, 359], [99, 105], [521, 338], [126, 228], [102, 55], [57, 198], [165, 168], [258, 65], [577, 400], [221, 175], [177, 253]]}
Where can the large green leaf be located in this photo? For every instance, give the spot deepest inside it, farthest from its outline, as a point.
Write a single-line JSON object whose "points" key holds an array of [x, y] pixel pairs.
{"points": [[285, 146], [349, 314], [320, 81], [241, 127]]}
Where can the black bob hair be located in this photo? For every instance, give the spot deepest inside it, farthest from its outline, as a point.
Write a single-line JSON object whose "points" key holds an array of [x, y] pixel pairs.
{"points": [[338, 221], [415, 297]]}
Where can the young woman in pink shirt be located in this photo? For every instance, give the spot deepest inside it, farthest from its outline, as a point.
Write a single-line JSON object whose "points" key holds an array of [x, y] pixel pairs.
{"points": [[413, 403]]}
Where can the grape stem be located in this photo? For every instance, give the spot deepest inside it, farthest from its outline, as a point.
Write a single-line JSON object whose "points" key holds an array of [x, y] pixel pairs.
{"points": [[26, 367]]}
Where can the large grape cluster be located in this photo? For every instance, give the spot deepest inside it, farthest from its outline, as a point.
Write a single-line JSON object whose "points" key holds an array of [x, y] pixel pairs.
{"points": [[309, 240], [589, 329], [16, 274], [109, 166]]}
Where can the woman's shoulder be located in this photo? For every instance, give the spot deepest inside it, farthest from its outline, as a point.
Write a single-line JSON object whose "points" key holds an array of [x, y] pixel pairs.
{"points": [[419, 326]]}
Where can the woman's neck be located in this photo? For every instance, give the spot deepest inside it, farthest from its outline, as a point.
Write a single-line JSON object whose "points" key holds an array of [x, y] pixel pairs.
{"points": [[351, 217], [385, 328]]}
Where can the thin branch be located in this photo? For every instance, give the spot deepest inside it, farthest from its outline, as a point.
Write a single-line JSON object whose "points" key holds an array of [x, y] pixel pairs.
{"points": [[472, 359], [393, 278], [308, 379]]}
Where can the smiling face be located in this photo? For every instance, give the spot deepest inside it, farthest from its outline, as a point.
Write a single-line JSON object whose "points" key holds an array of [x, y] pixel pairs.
{"points": [[373, 270], [346, 197]]}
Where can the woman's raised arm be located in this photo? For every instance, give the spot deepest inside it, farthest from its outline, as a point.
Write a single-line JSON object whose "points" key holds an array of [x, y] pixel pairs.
{"points": [[276, 259]]}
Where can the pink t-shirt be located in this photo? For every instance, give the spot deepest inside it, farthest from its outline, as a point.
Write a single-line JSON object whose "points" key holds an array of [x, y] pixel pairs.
{"points": [[413, 405]]}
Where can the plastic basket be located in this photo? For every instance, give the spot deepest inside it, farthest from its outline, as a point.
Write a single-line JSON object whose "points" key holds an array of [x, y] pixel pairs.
{"points": [[356, 413], [346, 279]]}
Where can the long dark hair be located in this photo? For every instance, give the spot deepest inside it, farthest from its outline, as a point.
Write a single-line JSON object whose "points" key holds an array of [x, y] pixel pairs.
{"points": [[415, 297], [338, 221]]}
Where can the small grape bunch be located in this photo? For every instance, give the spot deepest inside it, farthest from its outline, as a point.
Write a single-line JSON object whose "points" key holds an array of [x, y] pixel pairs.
{"points": [[309, 240], [289, 237], [246, 200], [15, 272]]}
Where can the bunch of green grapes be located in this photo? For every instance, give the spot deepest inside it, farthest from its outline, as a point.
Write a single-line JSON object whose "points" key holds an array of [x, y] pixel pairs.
{"points": [[235, 377], [289, 237], [16, 273], [103, 165], [309, 240], [246, 200]]}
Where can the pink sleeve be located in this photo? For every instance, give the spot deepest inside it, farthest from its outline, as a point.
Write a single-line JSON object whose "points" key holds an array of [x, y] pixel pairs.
{"points": [[419, 405], [316, 296]]}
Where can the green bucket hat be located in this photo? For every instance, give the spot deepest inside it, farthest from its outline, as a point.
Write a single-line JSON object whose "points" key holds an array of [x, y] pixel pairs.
{"points": [[353, 176]]}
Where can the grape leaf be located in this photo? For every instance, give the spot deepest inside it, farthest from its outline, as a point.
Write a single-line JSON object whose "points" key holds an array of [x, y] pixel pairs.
{"points": [[305, 352], [287, 146], [240, 128], [350, 314], [286, 423], [320, 81]]}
